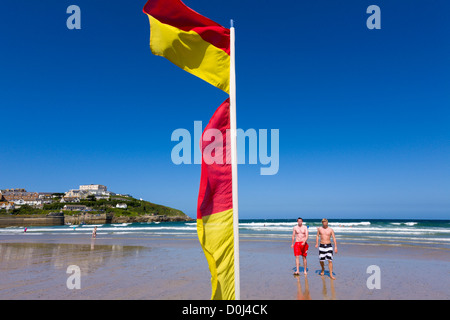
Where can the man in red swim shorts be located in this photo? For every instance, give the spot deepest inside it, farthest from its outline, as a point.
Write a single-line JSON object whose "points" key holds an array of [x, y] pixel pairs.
{"points": [[299, 237]]}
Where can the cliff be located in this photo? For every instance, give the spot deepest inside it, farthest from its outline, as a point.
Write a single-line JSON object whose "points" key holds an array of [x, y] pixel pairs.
{"points": [[100, 212], [112, 218]]}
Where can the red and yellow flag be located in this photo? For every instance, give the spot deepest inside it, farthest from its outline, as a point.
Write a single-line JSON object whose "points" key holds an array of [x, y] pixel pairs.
{"points": [[189, 40], [202, 47], [215, 206]]}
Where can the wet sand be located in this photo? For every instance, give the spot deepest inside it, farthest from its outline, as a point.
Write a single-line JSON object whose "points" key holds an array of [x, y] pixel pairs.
{"points": [[140, 267]]}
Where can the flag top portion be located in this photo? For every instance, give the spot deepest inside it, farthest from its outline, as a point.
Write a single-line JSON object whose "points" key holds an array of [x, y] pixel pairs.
{"points": [[189, 40], [177, 14]]}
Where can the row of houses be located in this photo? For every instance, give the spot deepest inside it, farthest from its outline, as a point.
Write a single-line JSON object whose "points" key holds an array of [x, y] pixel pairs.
{"points": [[97, 190], [14, 198], [13, 195], [77, 207]]}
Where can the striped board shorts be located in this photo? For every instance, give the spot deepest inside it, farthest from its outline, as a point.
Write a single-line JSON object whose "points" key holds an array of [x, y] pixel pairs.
{"points": [[325, 252]]}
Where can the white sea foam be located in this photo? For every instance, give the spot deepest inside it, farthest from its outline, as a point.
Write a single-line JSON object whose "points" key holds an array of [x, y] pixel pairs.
{"points": [[378, 231], [404, 223], [349, 224]]}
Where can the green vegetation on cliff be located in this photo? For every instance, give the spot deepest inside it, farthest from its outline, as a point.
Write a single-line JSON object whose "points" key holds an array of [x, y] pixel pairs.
{"points": [[134, 207]]}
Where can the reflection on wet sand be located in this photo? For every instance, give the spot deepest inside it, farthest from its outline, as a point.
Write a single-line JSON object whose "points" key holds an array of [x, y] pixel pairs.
{"points": [[58, 255], [303, 295], [325, 291]]}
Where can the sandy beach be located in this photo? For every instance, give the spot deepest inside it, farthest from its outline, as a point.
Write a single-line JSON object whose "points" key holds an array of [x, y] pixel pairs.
{"points": [[145, 267]]}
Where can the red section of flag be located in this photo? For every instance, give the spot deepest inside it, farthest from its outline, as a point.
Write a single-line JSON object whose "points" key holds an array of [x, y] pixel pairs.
{"points": [[215, 193]]}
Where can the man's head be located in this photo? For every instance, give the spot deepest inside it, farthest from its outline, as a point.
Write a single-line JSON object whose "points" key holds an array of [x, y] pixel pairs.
{"points": [[324, 223], [299, 222]]}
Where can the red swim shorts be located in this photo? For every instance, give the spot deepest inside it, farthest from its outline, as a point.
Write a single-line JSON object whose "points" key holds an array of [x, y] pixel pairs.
{"points": [[300, 250]]}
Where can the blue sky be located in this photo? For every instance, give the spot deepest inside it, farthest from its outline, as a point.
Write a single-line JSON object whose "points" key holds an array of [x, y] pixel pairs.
{"points": [[363, 114]]}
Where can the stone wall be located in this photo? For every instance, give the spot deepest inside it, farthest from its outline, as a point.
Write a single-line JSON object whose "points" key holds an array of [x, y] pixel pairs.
{"points": [[88, 218], [56, 219], [31, 220]]}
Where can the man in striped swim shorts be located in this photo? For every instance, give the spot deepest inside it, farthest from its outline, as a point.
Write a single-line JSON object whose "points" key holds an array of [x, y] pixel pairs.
{"points": [[325, 249]]}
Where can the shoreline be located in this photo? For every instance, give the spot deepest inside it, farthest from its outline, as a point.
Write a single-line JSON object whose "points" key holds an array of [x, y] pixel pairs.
{"points": [[59, 219], [168, 267]]}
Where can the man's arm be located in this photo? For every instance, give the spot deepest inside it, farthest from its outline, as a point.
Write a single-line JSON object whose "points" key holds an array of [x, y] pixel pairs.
{"points": [[306, 235], [334, 240], [293, 238], [317, 237]]}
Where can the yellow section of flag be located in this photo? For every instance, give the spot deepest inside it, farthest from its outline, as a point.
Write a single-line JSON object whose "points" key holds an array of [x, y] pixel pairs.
{"points": [[190, 52], [215, 233]]}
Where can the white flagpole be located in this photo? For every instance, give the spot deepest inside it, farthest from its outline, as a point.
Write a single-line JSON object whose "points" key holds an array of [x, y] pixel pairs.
{"points": [[237, 288]]}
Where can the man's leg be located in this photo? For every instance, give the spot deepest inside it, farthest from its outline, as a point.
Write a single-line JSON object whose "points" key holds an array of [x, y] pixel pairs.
{"points": [[297, 264], [330, 265], [304, 264], [323, 268]]}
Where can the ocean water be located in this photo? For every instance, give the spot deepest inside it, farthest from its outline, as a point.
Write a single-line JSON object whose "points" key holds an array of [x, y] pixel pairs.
{"points": [[434, 233]]}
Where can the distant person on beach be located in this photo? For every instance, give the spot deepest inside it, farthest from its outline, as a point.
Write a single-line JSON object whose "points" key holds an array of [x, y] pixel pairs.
{"points": [[299, 243], [325, 249], [94, 233]]}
